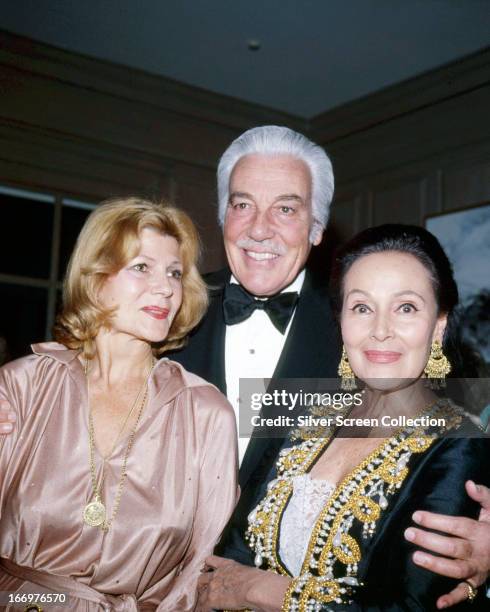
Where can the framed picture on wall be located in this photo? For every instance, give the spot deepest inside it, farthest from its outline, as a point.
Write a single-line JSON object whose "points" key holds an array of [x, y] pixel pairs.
{"points": [[465, 236]]}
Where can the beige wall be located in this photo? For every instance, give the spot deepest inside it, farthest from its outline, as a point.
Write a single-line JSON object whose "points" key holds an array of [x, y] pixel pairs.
{"points": [[88, 129]]}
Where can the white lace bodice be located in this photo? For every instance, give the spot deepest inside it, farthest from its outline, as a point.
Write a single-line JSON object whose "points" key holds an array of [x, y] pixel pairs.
{"points": [[308, 498]]}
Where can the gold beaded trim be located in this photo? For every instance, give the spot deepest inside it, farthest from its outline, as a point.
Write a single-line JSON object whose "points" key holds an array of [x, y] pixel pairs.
{"points": [[286, 603], [352, 500], [329, 571]]}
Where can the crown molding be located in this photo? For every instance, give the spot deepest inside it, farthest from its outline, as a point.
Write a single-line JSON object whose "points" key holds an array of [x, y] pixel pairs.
{"points": [[138, 86], [452, 80]]}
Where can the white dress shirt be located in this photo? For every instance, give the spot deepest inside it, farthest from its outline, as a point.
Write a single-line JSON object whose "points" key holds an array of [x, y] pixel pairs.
{"points": [[252, 350]]}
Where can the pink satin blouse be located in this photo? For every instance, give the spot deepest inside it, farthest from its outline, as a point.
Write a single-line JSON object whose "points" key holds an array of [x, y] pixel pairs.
{"points": [[179, 492]]}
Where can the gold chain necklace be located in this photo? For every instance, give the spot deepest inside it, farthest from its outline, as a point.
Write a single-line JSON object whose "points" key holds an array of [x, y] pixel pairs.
{"points": [[95, 513]]}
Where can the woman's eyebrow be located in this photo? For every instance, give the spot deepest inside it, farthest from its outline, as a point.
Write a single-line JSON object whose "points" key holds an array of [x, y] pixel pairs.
{"points": [[145, 256], [409, 292], [357, 291]]}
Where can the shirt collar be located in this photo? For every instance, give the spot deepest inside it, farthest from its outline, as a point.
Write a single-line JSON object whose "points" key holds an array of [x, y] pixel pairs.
{"points": [[57, 351], [168, 378]]}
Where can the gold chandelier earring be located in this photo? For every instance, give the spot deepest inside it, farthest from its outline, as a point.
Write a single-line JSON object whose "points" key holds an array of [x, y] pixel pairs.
{"points": [[347, 378], [438, 366]]}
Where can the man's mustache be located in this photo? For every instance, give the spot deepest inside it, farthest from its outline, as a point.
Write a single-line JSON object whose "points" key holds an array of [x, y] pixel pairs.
{"points": [[264, 246]]}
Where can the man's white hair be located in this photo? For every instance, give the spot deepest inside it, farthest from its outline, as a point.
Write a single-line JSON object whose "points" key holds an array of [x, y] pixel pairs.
{"points": [[276, 140]]}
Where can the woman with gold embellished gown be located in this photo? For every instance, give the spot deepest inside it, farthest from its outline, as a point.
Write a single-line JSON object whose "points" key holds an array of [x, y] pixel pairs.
{"points": [[328, 529], [121, 470]]}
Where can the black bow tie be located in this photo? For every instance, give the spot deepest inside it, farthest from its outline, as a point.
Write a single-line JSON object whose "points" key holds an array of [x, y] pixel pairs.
{"points": [[238, 305]]}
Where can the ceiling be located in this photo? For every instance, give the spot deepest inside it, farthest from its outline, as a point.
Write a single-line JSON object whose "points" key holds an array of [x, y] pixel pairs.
{"points": [[314, 54]]}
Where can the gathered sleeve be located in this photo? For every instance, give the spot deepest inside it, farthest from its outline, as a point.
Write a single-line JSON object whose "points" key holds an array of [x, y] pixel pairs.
{"points": [[26, 384], [217, 496], [391, 580], [12, 391], [17, 383]]}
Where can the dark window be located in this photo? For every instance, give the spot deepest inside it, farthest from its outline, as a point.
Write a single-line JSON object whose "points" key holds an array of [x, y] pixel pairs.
{"points": [[30, 231], [23, 313], [26, 236]]}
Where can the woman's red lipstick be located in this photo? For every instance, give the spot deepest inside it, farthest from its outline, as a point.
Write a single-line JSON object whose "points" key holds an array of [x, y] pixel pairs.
{"points": [[156, 312], [382, 356]]}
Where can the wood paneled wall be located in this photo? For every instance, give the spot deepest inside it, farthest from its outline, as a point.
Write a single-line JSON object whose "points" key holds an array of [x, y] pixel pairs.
{"points": [[416, 149], [89, 129]]}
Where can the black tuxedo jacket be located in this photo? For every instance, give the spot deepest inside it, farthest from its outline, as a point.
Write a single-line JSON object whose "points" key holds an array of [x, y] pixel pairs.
{"points": [[312, 350]]}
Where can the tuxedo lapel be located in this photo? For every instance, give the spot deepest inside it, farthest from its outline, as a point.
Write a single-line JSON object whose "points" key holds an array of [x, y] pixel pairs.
{"points": [[205, 352], [213, 338], [259, 451], [312, 350]]}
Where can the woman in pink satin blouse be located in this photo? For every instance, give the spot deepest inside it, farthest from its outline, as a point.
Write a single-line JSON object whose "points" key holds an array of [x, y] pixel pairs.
{"points": [[121, 470]]}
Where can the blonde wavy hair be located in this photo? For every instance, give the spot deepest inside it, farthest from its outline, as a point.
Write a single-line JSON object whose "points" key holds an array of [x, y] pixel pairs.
{"points": [[108, 241]]}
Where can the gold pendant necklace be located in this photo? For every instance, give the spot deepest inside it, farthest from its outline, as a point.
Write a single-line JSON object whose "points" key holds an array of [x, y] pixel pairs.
{"points": [[94, 513]]}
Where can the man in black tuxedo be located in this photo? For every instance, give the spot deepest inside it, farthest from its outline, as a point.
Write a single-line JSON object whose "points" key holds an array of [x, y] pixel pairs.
{"points": [[275, 188], [274, 209]]}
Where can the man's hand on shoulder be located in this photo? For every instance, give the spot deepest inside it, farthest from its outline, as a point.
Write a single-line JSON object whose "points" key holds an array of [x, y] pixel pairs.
{"points": [[7, 418], [465, 550]]}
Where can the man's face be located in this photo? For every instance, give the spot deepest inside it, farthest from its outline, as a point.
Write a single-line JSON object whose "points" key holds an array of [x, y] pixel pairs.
{"points": [[268, 222]]}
